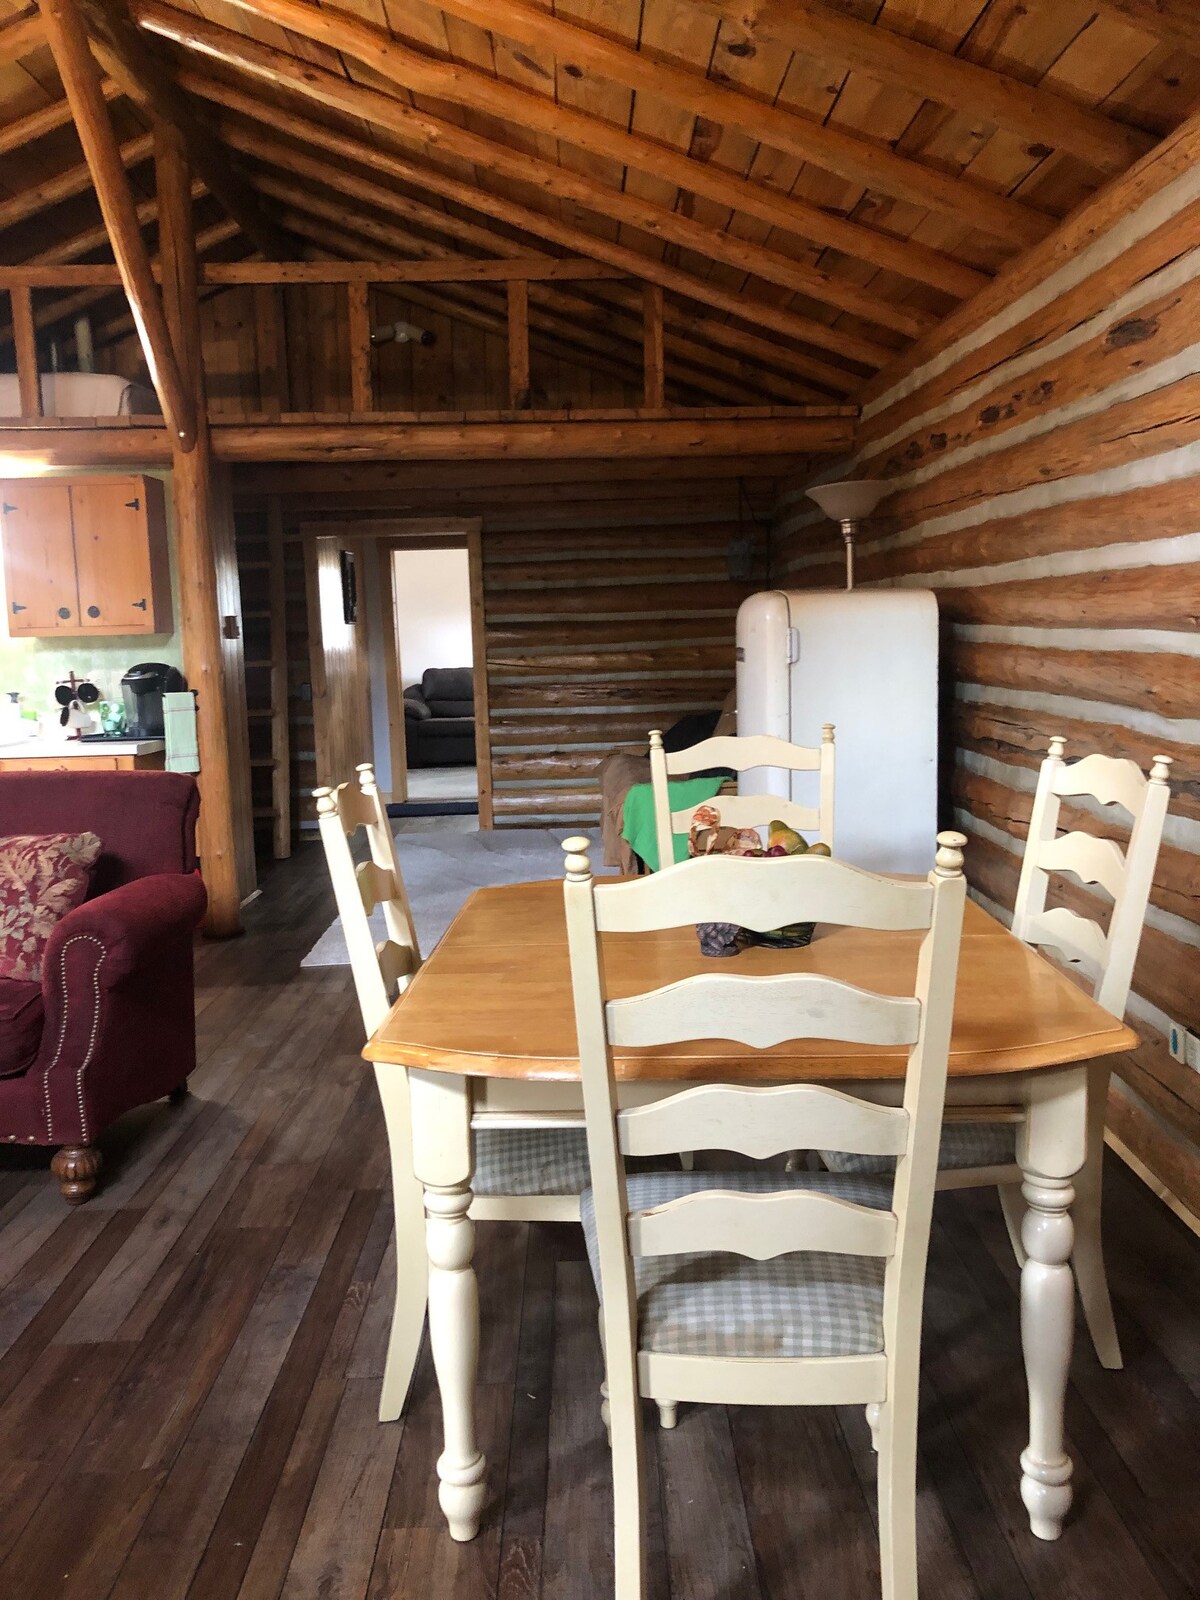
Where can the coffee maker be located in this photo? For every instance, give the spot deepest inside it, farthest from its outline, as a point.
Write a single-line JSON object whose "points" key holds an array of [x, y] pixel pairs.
{"points": [[142, 688]]}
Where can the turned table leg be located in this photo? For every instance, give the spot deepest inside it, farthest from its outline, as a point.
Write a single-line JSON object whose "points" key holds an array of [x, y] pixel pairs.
{"points": [[1051, 1150], [76, 1166]]}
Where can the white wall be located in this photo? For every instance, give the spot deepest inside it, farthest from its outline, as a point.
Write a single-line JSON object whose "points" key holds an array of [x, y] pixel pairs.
{"points": [[433, 610]]}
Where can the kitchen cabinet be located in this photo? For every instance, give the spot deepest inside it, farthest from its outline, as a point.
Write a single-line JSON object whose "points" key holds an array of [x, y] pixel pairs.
{"points": [[85, 556]]}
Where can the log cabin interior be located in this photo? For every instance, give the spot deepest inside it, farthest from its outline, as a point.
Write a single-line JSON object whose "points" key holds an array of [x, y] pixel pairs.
{"points": [[582, 300]]}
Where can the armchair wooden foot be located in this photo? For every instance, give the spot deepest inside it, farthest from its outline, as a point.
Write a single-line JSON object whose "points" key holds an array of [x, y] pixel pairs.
{"points": [[179, 1094], [77, 1166]]}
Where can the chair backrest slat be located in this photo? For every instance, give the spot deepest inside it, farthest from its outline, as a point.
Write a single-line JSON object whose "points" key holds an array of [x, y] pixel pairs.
{"points": [[755, 1121], [379, 969], [743, 754], [1108, 959], [762, 1012], [761, 1226], [763, 893]]}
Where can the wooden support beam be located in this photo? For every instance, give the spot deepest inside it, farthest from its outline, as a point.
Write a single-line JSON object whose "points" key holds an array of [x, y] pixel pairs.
{"points": [[443, 269], [329, 89], [659, 222], [359, 313], [81, 81], [192, 489], [65, 185], [914, 261], [281, 764], [1175, 22], [815, 30], [530, 439], [518, 345], [875, 166], [29, 379], [149, 83], [270, 336], [24, 130], [20, 36], [652, 345]]}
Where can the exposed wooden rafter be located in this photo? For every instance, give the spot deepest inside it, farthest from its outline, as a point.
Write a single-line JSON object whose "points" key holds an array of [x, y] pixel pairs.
{"points": [[1175, 22], [814, 29], [430, 132], [850, 156], [19, 37], [148, 83], [65, 185], [22, 131], [81, 80]]}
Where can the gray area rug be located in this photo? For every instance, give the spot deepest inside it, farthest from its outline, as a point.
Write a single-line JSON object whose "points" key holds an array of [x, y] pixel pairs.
{"points": [[442, 868]]}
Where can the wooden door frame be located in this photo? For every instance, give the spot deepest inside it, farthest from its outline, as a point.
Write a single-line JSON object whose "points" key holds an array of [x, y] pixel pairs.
{"points": [[388, 534]]}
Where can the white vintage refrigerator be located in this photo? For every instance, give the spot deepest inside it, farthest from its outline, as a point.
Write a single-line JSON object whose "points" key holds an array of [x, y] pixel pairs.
{"points": [[867, 661]]}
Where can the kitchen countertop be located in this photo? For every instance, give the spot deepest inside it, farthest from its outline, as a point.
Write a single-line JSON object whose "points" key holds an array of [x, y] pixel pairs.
{"points": [[56, 749]]}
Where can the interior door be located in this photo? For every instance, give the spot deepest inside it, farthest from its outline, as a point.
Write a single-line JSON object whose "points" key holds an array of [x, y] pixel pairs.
{"points": [[112, 554], [41, 596]]}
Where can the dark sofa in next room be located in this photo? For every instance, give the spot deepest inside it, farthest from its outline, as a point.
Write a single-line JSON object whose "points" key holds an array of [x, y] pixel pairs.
{"points": [[439, 718]]}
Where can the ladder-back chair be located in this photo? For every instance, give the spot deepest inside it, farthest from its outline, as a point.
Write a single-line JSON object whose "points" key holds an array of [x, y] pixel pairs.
{"points": [[522, 1174], [979, 1154], [742, 754], [762, 1286]]}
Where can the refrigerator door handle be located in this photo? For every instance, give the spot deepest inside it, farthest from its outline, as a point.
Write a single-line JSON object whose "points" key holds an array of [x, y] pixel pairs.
{"points": [[793, 646]]}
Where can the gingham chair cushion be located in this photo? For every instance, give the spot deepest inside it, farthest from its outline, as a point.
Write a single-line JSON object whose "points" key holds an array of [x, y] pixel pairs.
{"points": [[530, 1161], [806, 1304], [964, 1144]]}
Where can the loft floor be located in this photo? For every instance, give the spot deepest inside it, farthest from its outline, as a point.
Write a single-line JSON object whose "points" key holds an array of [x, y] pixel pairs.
{"points": [[190, 1372]]}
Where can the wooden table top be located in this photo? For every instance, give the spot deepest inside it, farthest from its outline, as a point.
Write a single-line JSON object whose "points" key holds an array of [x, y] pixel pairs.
{"points": [[494, 1000]]}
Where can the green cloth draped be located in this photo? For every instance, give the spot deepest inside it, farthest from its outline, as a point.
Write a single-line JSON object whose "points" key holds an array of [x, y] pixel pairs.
{"points": [[638, 818]]}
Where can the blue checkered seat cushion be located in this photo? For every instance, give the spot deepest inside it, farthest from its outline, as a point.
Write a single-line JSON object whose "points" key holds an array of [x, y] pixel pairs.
{"points": [[530, 1161], [809, 1303], [964, 1144]]}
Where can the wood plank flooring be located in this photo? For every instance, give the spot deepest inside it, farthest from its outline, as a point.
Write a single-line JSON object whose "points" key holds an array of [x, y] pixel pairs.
{"points": [[189, 1371]]}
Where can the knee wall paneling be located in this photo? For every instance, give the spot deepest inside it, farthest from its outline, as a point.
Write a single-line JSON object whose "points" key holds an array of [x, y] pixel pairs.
{"points": [[1045, 465]]}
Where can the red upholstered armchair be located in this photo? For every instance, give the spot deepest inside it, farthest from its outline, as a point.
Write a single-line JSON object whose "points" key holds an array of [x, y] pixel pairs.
{"points": [[112, 1024]]}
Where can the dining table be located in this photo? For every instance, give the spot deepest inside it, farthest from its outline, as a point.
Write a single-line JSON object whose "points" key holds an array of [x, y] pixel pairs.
{"points": [[484, 1036]]}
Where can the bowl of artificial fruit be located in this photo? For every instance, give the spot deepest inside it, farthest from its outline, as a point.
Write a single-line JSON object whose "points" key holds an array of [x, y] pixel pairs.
{"points": [[707, 838]]}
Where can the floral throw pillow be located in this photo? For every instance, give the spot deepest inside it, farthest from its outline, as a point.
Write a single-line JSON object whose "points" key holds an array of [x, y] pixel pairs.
{"points": [[42, 877]]}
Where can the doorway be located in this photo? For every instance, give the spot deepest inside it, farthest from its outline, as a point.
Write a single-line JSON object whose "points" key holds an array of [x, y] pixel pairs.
{"points": [[435, 654]]}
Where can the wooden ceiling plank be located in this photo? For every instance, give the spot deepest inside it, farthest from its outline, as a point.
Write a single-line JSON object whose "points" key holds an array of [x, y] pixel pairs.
{"points": [[1032, 112], [25, 130], [385, 111], [76, 180], [810, 222], [81, 80], [1175, 22], [149, 84], [832, 148]]}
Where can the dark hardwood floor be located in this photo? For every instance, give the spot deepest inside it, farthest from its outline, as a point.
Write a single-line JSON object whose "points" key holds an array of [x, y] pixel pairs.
{"points": [[191, 1363]]}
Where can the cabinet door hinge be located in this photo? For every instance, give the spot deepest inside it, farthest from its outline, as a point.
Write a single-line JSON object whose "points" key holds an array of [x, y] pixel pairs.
{"points": [[133, 505], [139, 605]]}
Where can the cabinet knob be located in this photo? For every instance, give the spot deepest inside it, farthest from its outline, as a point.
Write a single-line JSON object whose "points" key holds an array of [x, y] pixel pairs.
{"points": [[93, 611], [64, 612], [139, 605]]}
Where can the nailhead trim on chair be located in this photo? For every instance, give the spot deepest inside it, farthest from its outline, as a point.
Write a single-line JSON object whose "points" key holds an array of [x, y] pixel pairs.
{"points": [[79, 938]]}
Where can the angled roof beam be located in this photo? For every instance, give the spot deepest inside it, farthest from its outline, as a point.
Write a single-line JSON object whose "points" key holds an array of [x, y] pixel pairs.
{"points": [[876, 166], [913, 261], [16, 135], [18, 38], [148, 82], [813, 29], [65, 185], [81, 80], [357, 101], [1175, 22]]}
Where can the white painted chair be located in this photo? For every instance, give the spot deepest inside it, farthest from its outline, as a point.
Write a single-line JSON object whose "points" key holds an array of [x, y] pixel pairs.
{"points": [[764, 1287], [743, 754], [978, 1154], [521, 1174]]}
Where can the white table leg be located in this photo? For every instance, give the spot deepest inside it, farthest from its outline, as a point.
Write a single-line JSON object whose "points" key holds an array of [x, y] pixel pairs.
{"points": [[1050, 1151], [442, 1159]]}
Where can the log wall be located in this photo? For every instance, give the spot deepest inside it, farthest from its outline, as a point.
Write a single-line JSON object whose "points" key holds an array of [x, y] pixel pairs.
{"points": [[1044, 461]]}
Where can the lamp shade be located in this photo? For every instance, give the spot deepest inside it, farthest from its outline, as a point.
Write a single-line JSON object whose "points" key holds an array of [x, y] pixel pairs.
{"points": [[847, 502]]}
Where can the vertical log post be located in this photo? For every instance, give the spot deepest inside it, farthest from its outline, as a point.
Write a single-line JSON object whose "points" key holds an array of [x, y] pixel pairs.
{"points": [[359, 305], [199, 617], [25, 339], [654, 396], [270, 339], [518, 344]]}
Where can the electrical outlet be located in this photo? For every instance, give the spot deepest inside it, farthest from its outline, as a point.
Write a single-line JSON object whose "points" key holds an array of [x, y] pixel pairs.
{"points": [[1191, 1044], [1177, 1041]]}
